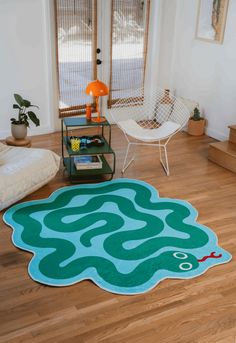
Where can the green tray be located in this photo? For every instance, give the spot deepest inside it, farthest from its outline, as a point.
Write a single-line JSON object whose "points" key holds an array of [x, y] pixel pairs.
{"points": [[93, 150], [83, 122]]}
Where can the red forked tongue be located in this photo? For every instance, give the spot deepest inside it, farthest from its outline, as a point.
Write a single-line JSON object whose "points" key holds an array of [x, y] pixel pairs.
{"points": [[212, 255]]}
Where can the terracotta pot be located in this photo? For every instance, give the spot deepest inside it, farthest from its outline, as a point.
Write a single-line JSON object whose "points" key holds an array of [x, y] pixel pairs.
{"points": [[19, 131], [196, 127]]}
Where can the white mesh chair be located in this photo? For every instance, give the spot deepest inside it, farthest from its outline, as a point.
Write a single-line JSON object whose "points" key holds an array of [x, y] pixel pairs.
{"points": [[149, 118]]}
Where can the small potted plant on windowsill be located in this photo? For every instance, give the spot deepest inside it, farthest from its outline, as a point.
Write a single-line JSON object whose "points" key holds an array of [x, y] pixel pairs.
{"points": [[196, 123], [20, 124]]}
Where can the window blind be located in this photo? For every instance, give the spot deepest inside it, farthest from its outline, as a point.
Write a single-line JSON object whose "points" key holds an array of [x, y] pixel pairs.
{"points": [[76, 32], [129, 39]]}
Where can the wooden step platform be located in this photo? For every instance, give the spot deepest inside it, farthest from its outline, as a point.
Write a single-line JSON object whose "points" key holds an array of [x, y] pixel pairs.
{"points": [[232, 135], [224, 154]]}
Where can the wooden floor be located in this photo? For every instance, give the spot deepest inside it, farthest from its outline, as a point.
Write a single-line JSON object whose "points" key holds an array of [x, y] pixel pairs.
{"points": [[200, 310]]}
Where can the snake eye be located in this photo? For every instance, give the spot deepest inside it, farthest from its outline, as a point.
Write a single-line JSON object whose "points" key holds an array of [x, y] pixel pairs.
{"points": [[185, 266], [180, 255]]}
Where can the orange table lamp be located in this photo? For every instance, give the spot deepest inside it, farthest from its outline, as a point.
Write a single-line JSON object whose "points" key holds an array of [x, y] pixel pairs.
{"points": [[97, 88]]}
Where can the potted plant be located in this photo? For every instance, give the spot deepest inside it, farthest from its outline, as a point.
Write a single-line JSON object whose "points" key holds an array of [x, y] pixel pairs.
{"points": [[196, 123], [20, 124]]}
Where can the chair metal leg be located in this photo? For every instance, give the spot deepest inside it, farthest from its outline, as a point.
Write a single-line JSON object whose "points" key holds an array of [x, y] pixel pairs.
{"points": [[125, 166], [165, 164], [163, 159]]}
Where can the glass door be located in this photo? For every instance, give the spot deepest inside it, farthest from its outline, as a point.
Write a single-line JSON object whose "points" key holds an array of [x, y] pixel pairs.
{"points": [[76, 28], [104, 39], [129, 38]]}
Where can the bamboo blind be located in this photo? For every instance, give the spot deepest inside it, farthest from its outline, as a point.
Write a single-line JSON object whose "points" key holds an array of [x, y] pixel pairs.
{"points": [[129, 40], [76, 32]]}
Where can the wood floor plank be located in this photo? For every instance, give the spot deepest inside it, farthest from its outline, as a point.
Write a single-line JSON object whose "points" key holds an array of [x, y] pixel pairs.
{"points": [[199, 310]]}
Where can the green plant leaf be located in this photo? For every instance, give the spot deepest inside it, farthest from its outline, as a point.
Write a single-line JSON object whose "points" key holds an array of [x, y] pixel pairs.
{"points": [[34, 118], [26, 122], [19, 99], [196, 114], [16, 106], [26, 103]]}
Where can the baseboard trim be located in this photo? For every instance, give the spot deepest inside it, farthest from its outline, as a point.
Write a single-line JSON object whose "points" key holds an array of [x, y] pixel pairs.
{"points": [[46, 129], [213, 133], [31, 132], [216, 134]]}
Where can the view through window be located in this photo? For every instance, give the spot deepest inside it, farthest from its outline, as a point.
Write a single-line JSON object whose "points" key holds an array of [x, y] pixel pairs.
{"points": [[129, 37], [76, 22], [76, 42]]}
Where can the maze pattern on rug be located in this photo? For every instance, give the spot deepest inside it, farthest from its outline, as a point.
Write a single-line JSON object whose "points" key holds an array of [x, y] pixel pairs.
{"points": [[119, 234]]}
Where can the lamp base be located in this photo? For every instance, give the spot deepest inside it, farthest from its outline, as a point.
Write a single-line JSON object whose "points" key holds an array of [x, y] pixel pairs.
{"points": [[98, 119]]}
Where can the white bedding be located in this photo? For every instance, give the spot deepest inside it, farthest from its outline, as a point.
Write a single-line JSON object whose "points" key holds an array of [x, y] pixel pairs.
{"points": [[23, 171]]}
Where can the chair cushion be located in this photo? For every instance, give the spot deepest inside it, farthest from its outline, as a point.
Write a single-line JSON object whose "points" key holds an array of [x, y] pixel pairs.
{"points": [[131, 128], [24, 171]]}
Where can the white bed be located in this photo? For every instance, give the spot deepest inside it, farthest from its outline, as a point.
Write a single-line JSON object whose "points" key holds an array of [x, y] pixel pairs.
{"points": [[23, 171]]}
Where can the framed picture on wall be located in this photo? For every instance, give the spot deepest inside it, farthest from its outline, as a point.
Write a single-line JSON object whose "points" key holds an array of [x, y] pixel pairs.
{"points": [[211, 20]]}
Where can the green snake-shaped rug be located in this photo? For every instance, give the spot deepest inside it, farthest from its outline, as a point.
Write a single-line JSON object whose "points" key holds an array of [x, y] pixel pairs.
{"points": [[119, 234]]}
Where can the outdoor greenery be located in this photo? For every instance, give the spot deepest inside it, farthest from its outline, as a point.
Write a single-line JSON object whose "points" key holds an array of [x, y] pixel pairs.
{"points": [[24, 115]]}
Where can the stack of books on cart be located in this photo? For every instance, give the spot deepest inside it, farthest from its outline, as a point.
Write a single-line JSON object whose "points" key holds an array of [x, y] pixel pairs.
{"points": [[88, 162]]}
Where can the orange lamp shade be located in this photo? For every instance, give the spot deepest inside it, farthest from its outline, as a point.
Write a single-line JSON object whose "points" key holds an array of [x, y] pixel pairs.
{"points": [[96, 88]]}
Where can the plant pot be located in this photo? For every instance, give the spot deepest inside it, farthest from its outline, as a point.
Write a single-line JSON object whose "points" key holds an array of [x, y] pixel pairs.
{"points": [[19, 131], [196, 127]]}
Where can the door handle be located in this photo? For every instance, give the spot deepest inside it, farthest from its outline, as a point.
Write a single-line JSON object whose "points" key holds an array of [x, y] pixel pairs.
{"points": [[99, 61], [98, 51]]}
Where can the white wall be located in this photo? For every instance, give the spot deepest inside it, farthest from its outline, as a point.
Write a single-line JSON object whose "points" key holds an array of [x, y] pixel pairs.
{"points": [[167, 41], [198, 70], [25, 61], [203, 71]]}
